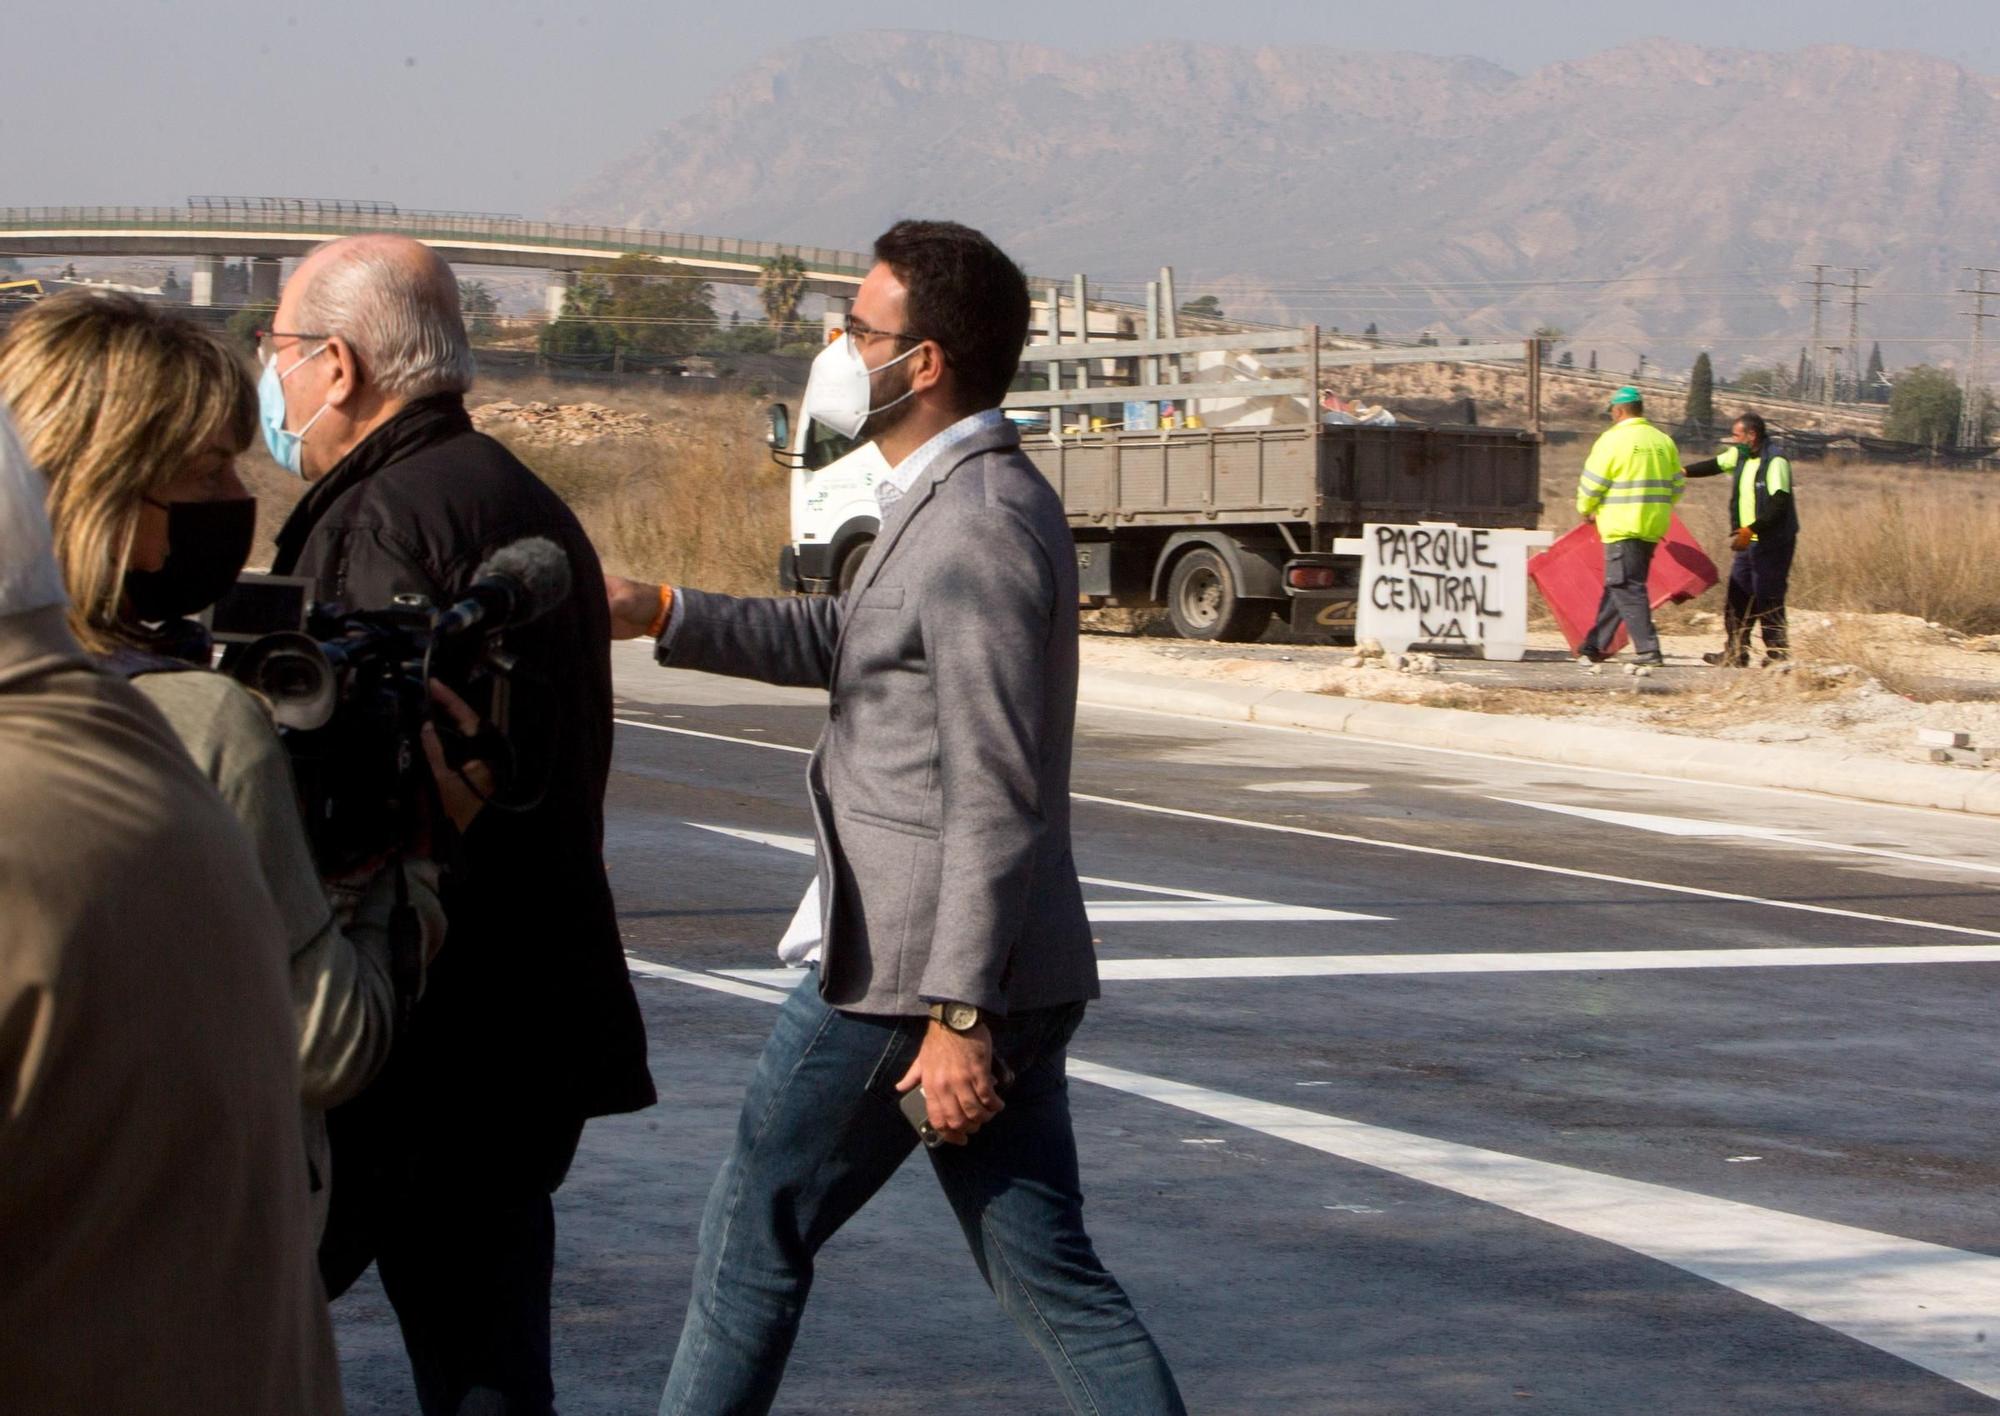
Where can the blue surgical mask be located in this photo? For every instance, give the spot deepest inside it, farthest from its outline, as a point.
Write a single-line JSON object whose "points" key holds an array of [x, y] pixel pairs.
{"points": [[286, 447]]}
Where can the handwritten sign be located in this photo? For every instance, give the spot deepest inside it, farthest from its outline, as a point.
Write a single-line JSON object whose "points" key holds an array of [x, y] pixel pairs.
{"points": [[1446, 586]]}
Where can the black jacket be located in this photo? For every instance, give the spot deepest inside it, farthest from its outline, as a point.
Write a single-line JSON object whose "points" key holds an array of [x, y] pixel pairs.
{"points": [[529, 1010], [1777, 513]]}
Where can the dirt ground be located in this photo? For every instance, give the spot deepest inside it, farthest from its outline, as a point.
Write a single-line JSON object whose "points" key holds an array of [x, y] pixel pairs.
{"points": [[1942, 680]]}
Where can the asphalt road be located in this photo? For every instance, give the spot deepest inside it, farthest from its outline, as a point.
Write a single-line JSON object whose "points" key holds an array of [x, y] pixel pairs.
{"points": [[1411, 1090]]}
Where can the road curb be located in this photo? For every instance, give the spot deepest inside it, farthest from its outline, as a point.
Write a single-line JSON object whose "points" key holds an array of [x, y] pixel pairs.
{"points": [[1842, 774]]}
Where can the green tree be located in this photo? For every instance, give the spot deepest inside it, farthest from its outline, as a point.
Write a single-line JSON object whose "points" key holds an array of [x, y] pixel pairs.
{"points": [[476, 298], [633, 304], [1568, 360], [1203, 307], [1872, 390], [1924, 407], [1550, 336], [1371, 334], [1757, 379], [584, 327], [244, 324], [1701, 392], [657, 309], [1593, 361], [780, 287], [1802, 380], [170, 283]]}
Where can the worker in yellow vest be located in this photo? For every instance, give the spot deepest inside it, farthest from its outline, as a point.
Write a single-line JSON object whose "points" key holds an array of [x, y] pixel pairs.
{"points": [[1764, 532], [1631, 481]]}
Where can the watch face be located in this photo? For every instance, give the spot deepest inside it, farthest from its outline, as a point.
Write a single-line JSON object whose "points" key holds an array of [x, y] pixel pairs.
{"points": [[961, 1017]]}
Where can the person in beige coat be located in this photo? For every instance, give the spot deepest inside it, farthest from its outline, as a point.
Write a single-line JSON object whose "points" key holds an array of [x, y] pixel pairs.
{"points": [[155, 1234], [136, 417]]}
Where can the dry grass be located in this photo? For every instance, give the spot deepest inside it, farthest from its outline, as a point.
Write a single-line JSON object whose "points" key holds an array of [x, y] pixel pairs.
{"points": [[1874, 540], [698, 503]]}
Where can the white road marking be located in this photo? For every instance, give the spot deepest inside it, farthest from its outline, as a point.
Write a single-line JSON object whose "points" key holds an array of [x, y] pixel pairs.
{"points": [[1571, 872], [1330, 740], [710, 981], [1307, 788], [1687, 826], [1185, 906], [1568, 961], [712, 737], [1927, 1304]]}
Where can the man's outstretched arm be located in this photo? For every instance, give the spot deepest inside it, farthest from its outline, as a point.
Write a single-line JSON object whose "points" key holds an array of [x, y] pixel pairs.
{"points": [[786, 640]]}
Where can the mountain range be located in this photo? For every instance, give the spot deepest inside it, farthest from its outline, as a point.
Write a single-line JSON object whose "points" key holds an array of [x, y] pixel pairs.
{"points": [[1658, 197]]}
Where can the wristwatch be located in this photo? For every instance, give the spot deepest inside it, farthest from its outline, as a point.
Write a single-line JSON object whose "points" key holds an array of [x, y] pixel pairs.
{"points": [[959, 1017]]}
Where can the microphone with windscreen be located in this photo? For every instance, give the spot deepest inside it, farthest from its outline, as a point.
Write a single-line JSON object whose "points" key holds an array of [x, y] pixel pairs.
{"points": [[516, 584]]}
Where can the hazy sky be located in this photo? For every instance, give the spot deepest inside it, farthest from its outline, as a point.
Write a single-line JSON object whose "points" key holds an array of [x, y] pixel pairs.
{"points": [[504, 105]]}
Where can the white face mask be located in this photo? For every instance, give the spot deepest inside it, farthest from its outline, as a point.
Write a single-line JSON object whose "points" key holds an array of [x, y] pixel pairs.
{"points": [[837, 389]]}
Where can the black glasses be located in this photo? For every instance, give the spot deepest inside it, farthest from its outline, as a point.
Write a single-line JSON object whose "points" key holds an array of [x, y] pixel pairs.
{"points": [[860, 331]]}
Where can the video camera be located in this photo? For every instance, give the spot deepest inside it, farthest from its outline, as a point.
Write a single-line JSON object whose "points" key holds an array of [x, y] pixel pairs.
{"points": [[349, 691]]}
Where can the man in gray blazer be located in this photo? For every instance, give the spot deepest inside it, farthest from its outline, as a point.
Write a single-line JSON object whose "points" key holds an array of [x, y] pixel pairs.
{"points": [[952, 949]]}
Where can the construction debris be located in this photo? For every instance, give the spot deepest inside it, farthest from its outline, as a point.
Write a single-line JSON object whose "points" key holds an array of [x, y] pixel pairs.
{"points": [[560, 424]]}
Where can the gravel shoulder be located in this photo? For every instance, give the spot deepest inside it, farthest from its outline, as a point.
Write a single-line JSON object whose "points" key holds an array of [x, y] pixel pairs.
{"points": [[1861, 683]]}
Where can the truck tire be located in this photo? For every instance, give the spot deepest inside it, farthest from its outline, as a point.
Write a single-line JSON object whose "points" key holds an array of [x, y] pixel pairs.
{"points": [[850, 563], [1203, 603]]}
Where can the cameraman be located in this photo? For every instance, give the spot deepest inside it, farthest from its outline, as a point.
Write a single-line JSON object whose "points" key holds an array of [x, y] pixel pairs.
{"points": [[529, 1026], [136, 418]]}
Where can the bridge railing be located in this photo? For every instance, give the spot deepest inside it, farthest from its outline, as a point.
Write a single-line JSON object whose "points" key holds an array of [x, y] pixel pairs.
{"points": [[612, 240]]}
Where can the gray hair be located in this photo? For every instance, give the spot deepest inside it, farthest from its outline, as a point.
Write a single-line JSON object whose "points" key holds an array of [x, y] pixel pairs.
{"points": [[402, 320]]}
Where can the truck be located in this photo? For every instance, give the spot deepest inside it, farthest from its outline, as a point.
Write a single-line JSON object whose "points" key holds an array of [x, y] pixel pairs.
{"points": [[1200, 476]]}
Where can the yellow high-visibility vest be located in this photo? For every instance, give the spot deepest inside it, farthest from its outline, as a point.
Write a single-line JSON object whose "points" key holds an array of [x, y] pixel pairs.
{"points": [[1632, 481]]}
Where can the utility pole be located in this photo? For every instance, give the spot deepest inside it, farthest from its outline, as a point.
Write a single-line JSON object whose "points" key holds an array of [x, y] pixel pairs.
{"points": [[1854, 289], [1972, 402], [1819, 284]]}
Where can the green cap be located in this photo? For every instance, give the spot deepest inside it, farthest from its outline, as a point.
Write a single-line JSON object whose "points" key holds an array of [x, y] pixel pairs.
{"points": [[1627, 394]]}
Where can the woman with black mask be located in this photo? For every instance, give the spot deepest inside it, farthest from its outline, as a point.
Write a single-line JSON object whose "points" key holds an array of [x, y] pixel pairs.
{"points": [[136, 418]]}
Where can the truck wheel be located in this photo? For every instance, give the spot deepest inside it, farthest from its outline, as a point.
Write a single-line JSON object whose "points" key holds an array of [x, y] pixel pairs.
{"points": [[850, 564], [1203, 603]]}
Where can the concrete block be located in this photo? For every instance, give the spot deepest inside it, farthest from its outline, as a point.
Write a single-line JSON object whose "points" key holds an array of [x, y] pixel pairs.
{"points": [[1943, 737]]}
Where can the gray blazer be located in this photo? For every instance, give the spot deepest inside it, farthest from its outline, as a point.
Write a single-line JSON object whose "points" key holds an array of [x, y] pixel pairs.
{"points": [[940, 786]]}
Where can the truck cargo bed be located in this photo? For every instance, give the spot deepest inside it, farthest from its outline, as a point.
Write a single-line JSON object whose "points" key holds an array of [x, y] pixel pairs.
{"points": [[1345, 476]]}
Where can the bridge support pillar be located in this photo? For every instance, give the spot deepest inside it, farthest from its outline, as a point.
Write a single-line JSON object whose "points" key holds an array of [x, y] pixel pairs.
{"points": [[557, 291], [264, 271], [201, 284]]}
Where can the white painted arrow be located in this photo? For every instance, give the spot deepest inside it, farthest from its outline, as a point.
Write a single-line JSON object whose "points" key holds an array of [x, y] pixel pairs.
{"points": [[1179, 906], [1689, 826]]}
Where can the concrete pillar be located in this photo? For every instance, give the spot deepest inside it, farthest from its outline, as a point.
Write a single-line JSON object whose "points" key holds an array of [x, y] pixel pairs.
{"points": [[264, 271], [201, 284], [557, 291]]}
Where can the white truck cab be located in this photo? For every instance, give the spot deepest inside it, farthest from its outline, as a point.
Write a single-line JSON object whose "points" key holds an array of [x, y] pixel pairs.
{"points": [[834, 512]]}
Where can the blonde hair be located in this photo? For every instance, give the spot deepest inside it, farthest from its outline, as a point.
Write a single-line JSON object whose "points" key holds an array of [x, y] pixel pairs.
{"points": [[113, 397]]}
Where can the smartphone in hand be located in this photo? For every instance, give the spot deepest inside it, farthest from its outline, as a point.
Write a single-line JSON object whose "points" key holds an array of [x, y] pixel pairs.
{"points": [[916, 1110]]}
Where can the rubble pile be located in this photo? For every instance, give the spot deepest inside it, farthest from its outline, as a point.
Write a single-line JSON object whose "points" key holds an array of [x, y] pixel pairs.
{"points": [[560, 424]]}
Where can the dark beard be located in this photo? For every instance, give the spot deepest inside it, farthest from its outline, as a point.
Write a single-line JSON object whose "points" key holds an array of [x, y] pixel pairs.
{"points": [[884, 421]]}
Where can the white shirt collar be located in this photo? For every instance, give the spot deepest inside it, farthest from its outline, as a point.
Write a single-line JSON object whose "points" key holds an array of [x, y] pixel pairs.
{"points": [[904, 474]]}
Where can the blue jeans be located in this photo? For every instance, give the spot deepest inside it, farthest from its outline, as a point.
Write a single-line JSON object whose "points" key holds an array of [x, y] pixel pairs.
{"points": [[820, 1133]]}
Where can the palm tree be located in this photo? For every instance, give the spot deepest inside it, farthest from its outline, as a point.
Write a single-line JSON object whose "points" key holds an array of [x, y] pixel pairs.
{"points": [[780, 287]]}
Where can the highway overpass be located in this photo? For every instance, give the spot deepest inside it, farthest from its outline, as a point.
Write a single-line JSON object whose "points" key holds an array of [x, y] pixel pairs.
{"points": [[265, 230]]}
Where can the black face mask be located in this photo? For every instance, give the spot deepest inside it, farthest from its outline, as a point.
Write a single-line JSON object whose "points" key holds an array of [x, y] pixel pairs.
{"points": [[207, 545]]}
